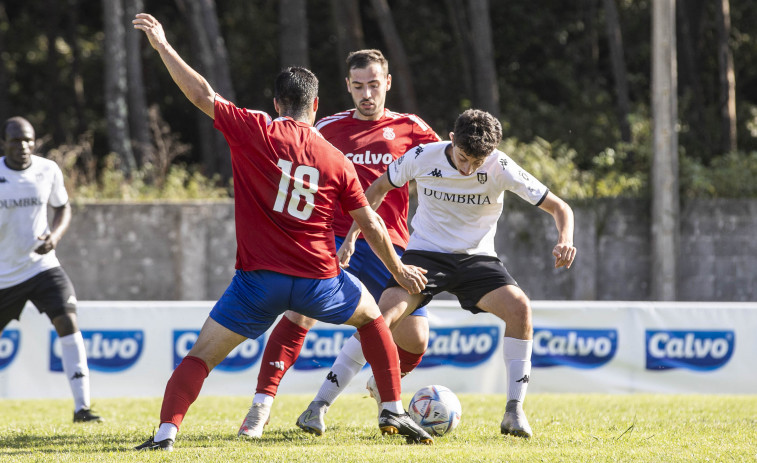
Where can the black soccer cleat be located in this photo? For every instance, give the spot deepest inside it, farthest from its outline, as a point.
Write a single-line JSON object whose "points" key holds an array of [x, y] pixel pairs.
{"points": [[165, 445], [85, 415], [392, 423]]}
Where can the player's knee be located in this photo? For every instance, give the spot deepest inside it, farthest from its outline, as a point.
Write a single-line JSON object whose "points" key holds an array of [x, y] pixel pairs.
{"points": [[65, 324]]}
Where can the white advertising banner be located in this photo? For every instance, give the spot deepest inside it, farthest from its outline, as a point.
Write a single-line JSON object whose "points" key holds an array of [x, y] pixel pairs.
{"points": [[579, 346]]}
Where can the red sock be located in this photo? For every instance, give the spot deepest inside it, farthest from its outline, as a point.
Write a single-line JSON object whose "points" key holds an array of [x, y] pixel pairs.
{"points": [[182, 389], [379, 350], [408, 360], [281, 351]]}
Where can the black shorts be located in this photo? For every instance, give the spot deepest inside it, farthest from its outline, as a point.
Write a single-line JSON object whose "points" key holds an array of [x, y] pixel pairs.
{"points": [[468, 277], [50, 291]]}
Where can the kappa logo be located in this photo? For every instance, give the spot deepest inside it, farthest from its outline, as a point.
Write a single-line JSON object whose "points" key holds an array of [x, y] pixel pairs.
{"points": [[418, 150], [71, 300], [389, 133], [435, 173], [240, 358], [78, 375], [3, 180], [523, 380], [503, 163], [333, 378]]}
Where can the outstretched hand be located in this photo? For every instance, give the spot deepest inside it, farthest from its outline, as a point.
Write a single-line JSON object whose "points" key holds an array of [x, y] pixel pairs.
{"points": [[152, 28], [564, 254]]}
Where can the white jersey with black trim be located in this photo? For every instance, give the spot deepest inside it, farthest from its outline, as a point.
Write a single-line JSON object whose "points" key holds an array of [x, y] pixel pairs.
{"points": [[458, 213], [24, 197]]}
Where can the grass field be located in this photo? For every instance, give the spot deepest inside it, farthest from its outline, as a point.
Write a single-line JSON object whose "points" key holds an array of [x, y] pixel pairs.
{"points": [[567, 427]]}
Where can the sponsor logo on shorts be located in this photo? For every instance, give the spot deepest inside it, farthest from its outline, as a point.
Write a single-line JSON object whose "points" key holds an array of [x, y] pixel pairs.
{"points": [[9, 342], [107, 350], [240, 358], [690, 349], [321, 347], [465, 346], [577, 348]]}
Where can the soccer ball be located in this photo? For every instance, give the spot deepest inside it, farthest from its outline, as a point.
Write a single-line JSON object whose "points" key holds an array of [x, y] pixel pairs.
{"points": [[436, 409]]}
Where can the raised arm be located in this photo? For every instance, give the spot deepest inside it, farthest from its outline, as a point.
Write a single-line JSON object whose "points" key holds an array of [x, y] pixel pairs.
{"points": [[375, 195], [194, 86], [564, 251]]}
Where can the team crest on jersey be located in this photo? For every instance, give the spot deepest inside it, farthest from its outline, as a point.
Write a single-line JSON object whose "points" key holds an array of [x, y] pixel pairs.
{"points": [[481, 177], [389, 133]]}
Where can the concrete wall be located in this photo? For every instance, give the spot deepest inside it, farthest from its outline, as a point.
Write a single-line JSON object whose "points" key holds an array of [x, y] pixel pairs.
{"points": [[186, 251]]}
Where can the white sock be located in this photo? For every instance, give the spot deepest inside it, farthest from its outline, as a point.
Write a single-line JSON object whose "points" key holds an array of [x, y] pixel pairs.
{"points": [[347, 364], [517, 354], [394, 407], [166, 431], [262, 399], [74, 358]]}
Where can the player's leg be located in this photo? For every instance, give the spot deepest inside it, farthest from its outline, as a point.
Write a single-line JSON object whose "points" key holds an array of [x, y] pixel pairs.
{"points": [[53, 294], [281, 351], [512, 305]]}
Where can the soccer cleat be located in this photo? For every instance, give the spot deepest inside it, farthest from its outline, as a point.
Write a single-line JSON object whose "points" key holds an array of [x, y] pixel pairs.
{"points": [[150, 444], [374, 392], [311, 420], [85, 415], [515, 422], [392, 423], [258, 416]]}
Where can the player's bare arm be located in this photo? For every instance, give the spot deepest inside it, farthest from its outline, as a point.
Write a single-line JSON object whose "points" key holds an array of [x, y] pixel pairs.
{"points": [[410, 277], [378, 190], [192, 84], [564, 251], [61, 221]]}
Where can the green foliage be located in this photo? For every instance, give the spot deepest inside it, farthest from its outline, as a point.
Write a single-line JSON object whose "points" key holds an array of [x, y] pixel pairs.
{"points": [[567, 427], [729, 176]]}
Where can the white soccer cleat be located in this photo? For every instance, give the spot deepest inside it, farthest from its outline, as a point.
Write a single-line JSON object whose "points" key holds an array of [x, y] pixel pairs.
{"points": [[515, 422], [373, 391], [256, 419], [312, 420]]}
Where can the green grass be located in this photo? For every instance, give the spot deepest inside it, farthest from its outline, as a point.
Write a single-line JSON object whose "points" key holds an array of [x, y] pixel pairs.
{"points": [[567, 427]]}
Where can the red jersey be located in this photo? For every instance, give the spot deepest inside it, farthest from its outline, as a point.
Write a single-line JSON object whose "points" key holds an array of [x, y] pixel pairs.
{"points": [[372, 146], [288, 181]]}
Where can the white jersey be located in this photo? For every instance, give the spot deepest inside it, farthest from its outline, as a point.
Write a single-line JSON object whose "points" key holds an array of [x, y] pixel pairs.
{"points": [[24, 197], [458, 213]]}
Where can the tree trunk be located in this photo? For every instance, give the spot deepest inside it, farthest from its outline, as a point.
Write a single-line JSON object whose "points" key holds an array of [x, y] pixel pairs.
{"points": [[397, 57], [4, 101], [727, 79], [138, 117], [77, 81], [665, 205], [615, 42], [460, 31], [116, 109], [209, 47], [349, 35], [293, 33], [486, 94]]}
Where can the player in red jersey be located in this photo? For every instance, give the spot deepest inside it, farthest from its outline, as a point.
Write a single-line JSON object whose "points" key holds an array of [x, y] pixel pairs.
{"points": [[287, 181], [370, 136]]}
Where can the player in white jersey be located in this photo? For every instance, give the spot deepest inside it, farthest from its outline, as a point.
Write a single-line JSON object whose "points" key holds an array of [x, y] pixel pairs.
{"points": [[29, 270], [461, 186]]}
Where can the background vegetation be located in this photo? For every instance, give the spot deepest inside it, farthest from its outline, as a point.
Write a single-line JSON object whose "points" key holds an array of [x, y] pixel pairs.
{"points": [[556, 84]]}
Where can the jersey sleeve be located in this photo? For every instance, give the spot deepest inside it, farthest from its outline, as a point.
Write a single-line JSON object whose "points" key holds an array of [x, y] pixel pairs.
{"points": [[423, 133], [238, 125], [352, 196], [58, 193], [404, 169], [520, 182]]}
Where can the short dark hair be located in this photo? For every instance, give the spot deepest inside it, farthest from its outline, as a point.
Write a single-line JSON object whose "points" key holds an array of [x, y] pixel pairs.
{"points": [[477, 133], [294, 90], [361, 59], [15, 120]]}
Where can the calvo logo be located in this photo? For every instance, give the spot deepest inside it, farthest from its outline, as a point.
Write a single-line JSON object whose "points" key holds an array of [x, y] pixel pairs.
{"points": [[693, 350], [321, 347], [240, 358], [578, 348], [463, 346], [107, 350], [9, 341]]}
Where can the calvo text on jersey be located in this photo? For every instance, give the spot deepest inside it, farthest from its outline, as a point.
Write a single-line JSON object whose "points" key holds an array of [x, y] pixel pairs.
{"points": [[370, 158]]}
